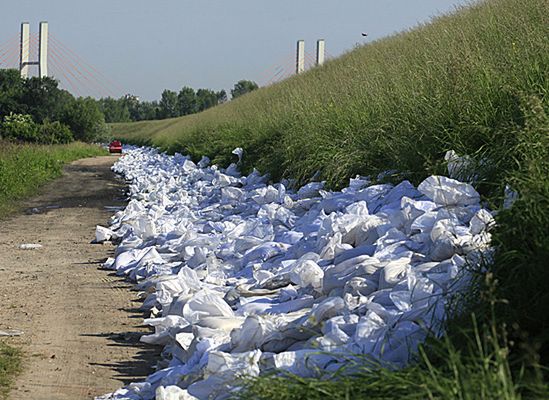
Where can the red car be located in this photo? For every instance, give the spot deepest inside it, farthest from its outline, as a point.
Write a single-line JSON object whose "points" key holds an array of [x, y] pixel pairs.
{"points": [[115, 147]]}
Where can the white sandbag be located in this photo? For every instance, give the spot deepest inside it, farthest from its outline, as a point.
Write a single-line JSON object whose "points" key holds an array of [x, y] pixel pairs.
{"points": [[103, 234], [206, 303], [173, 393], [243, 277], [307, 273], [448, 192]]}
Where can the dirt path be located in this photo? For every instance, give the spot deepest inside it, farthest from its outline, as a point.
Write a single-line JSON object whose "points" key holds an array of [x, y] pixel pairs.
{"points": [[80, 323]]}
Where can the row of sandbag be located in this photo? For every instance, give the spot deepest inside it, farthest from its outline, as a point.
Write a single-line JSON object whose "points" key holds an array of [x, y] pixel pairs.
{"points": [[245, 277]]}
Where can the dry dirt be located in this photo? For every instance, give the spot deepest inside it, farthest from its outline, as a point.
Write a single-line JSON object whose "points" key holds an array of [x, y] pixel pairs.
{"points": [[80, 323]]}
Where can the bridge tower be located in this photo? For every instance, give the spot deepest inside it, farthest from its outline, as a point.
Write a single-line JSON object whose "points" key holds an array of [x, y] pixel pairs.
{"points": [[24, 54], [320, 51], [300, 57]]}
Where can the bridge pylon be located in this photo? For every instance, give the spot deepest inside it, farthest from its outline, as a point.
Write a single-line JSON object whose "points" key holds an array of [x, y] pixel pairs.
{"points": [[24, 55]]}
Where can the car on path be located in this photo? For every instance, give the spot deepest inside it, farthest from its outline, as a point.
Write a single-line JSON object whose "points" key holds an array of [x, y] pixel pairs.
{"points": [[115, 146]]}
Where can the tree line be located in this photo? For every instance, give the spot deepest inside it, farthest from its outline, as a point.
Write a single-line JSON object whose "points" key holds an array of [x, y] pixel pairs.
{"points": [[37, 110], [171, 104]]}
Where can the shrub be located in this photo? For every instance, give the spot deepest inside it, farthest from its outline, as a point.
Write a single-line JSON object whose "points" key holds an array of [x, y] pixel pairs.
{"points": [[19, 127], [85, 119], [55, 133]]}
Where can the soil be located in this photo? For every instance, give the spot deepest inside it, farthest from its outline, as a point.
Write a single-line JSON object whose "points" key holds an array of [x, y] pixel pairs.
{"points": [[80, 323]]}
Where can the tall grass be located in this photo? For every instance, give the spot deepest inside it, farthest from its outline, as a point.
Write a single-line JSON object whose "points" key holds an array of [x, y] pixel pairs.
{"points": [[398, 103], [475, 81], [24, 167]]}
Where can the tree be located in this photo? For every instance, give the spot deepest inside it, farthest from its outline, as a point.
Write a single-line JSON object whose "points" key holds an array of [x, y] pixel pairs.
{"points": [[168, 104], [222, 96], [54, 133], [187, 101], [243, 87], [149, 110], [19, 127], [11, 90], [206, 98], [114, 110], [85, 119], [42, 98], [134, 106]]}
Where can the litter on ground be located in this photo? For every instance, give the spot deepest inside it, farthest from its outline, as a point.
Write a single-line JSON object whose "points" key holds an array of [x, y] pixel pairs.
{"points": [[11, 332], [30, 246], [244, 277]]}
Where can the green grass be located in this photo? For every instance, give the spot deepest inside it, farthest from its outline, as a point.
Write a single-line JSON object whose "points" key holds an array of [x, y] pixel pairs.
{"points": [[10, 365], [475, 81], [399, 103], [24, 167]]}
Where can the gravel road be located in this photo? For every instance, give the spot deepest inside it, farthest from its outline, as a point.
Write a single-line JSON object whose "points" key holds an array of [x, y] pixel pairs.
{"points": [[80, 323]]}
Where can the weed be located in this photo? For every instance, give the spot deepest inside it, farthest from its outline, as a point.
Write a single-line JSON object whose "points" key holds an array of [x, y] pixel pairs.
{"points": [[10, 364]]}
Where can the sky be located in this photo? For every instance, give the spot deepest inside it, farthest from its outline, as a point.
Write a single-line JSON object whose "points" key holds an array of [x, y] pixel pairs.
{"points": [[114, 47]]}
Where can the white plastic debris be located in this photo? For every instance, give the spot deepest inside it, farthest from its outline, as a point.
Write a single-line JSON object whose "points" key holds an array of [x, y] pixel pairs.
{"points": [[30, 246], [238, 152], [11, 332], [459, 167], [510, 196], [244, 277]]}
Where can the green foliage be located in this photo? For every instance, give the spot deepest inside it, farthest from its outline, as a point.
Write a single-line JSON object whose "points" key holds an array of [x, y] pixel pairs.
{"points": [[206, 98], [55, 133], [115, 110], [186, 100], [523, 234], [11, 91], [10, 365], [43, 99], [134, 107], [168, 105], [19, 127], [148, 111], [24, 167], [171, 105], [85, 120], [243, 87], [221, 97]]}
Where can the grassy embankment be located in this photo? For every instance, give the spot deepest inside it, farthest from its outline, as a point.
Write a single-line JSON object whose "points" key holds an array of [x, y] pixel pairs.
{"points": [[24, 167], [475, 81]]}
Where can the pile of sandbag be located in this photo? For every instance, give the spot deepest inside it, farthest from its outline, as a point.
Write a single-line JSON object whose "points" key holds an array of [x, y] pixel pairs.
{"points": [[245, 277]]}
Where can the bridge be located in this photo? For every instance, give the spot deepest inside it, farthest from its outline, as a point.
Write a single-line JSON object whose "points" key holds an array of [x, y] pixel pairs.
{"points": [[77, 75]]}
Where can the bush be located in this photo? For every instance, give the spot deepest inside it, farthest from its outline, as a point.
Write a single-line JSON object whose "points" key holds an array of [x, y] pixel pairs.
{"points": [[55, 133], [19, 127], [86, 120]]}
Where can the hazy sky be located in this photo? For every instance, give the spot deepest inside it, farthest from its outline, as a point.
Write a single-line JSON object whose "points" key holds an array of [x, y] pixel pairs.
{"points": [[147, 46]]}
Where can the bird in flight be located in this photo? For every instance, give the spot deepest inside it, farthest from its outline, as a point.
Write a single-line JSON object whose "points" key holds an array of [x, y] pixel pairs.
{"points": [[364, 34]]}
